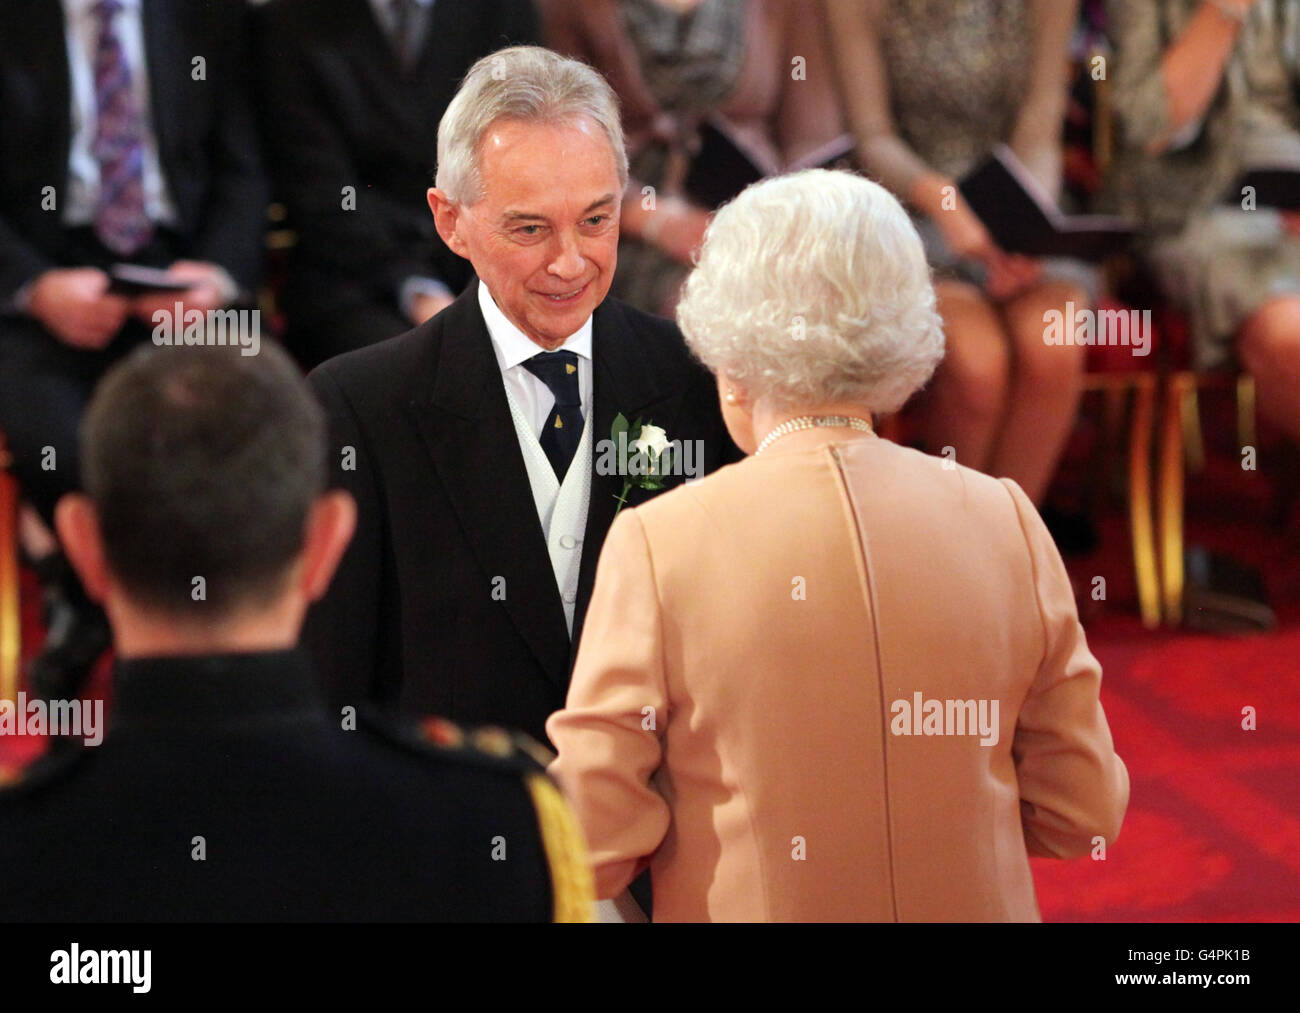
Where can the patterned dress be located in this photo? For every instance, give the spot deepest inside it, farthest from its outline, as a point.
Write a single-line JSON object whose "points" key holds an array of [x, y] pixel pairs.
{"points": [[958, 74], [691, 62], [1215, 259], [958, 71]]}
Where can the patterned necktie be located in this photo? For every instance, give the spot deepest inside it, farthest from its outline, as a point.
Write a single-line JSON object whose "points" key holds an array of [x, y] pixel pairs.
{"points": [[563, 427], [121, 220]]}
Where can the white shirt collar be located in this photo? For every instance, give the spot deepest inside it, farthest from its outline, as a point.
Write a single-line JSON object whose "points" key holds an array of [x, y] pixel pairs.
{"points": [[513, 346], [85, 8], [385, 7]]}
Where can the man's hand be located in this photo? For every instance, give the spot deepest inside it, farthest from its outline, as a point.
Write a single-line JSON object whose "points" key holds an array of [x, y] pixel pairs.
{"points": [[74, 305], [424, 306], [209, 290]]}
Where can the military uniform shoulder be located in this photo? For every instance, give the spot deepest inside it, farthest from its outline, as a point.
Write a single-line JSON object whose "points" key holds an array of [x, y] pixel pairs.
{"points": [[514, 753], [485, 747], [17, 781]]}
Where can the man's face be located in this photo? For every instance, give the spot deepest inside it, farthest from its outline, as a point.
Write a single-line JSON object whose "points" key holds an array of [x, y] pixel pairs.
{"points": [[544, 236]]}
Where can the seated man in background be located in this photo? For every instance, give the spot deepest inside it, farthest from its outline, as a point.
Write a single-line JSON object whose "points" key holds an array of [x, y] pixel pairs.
{"points": [[226, 789], [128, 136], [351, 95]]}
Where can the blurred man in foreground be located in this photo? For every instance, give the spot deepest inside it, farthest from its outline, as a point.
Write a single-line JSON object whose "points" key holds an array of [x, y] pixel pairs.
{"points": [[225, 789]]}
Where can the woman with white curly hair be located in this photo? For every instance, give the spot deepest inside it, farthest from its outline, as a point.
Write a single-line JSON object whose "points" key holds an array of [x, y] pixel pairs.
{"points": [[841, 679]]}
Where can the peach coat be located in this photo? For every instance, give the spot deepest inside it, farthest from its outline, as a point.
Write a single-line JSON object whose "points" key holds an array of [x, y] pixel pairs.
{"points": [[735, 720]]}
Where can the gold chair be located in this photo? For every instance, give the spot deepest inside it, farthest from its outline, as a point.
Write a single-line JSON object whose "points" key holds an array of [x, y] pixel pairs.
{"points": [[1181, 446], [1179, 427], [1142, 388], [10, 615], [1117, 388]]}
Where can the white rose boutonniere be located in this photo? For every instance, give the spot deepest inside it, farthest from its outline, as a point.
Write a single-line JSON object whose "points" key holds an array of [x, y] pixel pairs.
{"points": [[653, 441], [644, 456]]}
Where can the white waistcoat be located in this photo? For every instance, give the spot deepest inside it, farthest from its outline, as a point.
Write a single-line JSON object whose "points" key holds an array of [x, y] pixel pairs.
{"points": [[561, 508]]}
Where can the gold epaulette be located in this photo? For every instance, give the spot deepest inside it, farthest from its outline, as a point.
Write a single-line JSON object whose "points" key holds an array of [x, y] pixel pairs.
{"points": [[573, 887], [485, 740], [572, 884]]}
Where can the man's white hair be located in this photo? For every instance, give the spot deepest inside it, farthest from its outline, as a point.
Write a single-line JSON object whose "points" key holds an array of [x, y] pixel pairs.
{"points": [[526, 83], [813, 289]]}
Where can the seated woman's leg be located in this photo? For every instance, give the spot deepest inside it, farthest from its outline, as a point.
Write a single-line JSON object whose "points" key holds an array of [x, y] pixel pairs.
{"points": [[1046, 384], [967, 396], [1269, 346]]}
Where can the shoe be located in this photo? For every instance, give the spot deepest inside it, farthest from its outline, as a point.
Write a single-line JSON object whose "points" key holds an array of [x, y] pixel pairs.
{"points": [[1224, 595], [77, 633]]}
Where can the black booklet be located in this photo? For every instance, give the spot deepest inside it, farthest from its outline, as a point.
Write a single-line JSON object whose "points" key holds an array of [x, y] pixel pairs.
{"points": [[133, 279], [1022, 217], [725, 164]]}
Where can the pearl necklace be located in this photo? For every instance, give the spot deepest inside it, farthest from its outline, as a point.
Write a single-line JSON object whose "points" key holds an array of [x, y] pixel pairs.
{"points": [[812, 422]]}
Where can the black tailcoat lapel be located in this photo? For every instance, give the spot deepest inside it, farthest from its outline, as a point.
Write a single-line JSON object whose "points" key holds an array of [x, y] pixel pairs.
{"points": [[464, 419], [45, 54], [627, 379], [168, 56]]}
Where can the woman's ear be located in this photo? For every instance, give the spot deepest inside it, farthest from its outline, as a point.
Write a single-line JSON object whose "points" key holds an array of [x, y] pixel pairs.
{"points": [[732, 394], [737, 412]]}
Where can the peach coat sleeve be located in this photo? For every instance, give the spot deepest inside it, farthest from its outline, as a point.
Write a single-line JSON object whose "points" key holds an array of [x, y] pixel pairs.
{"points": [[1073, 786], [608, 736]]}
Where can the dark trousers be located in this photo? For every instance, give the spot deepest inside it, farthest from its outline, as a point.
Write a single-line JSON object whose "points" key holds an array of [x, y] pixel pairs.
{"points": [[45, 385]]}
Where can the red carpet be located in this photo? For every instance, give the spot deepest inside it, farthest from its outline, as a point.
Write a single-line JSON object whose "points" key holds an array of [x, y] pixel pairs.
{"points": [[1213, 827]]}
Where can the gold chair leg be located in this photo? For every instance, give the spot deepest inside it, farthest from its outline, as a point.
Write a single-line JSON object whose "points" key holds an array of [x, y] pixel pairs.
{"points": [[1246, 436], [10, 616], [1189, 410], [1139, 498], [1172, 495], [1114, 398], [1115, 404]]}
